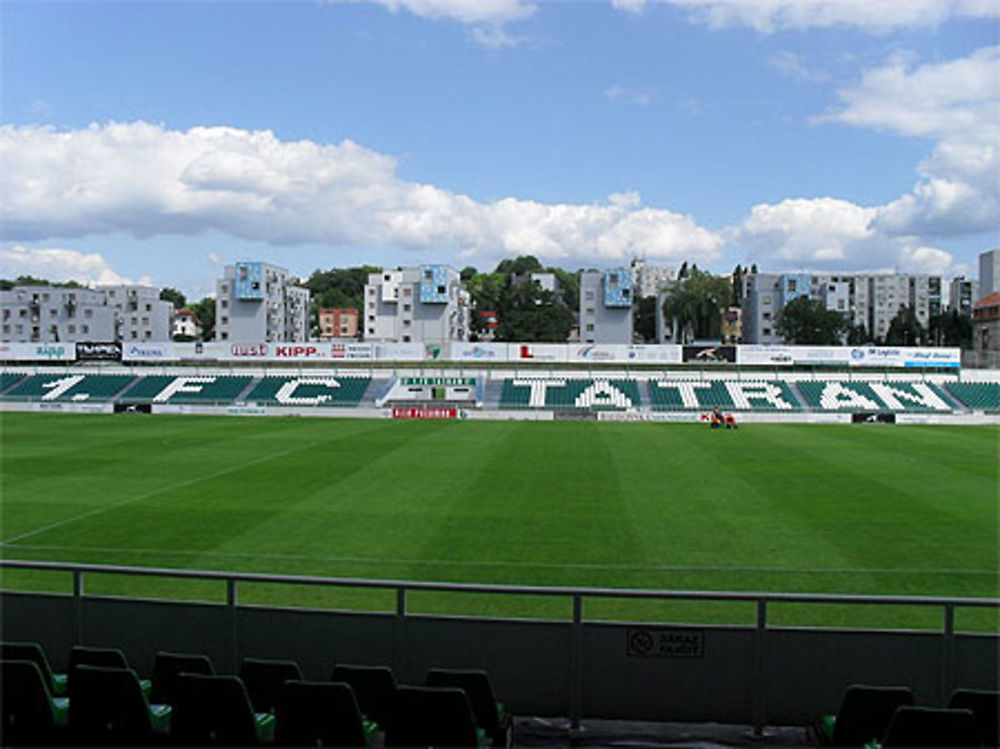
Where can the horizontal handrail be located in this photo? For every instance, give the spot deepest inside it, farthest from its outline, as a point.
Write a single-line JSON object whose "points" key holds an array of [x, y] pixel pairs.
{"points": [[500, 589]]}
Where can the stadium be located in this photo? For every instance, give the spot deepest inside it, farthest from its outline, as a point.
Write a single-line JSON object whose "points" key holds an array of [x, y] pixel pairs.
{"points": [[579, 532]]}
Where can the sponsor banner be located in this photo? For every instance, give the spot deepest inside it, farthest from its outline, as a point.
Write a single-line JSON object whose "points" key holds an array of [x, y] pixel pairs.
{"points": [[662, 416], [663, 353], [478, 352], [414, 351], [873, 417], [424, 412], [37, 352], [352, 351], [149, 352], [904, 356], [538, 352], [766, 355], [599, 352], [710, 354], [439, 381], [98, 351], [837, 356]]}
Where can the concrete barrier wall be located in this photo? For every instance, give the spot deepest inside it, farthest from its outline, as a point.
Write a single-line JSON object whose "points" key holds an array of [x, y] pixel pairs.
{"points": [[724, 674]]}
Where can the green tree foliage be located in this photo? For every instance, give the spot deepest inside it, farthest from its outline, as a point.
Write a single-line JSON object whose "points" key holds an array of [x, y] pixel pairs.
{"points": [[696, 302], [808, 321], [520, 265], [339, 287], [951, 329], [645, 319], [173, 296], [905, 329], [857, 335], [7, 284], [204, 311]]}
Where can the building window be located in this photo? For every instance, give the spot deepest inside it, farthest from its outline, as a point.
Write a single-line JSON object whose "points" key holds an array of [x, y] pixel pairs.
{"points": [[45, 297], [145, 321], [767, 315], [590, 327], [371, 318], [590, 310], [407, 291], [588, 295], [135, 334], [791, 285], [371, 305], [407, 307], [225, 335], [6, 328], [371, 331], [406, 323], [225, 320], [225, 304], [406, 339], [88, 312], [442, 290], [149, 308], [371, 291], [767, 331], [767, 300], [71, 329], [84, 329], [22, 313]]}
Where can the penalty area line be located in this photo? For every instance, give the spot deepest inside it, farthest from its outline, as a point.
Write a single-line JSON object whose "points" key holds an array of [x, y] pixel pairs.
{"points": [[387, 561]]}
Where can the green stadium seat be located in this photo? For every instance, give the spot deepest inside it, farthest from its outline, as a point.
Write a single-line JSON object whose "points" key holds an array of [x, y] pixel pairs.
{"points": [[80, 655], [216, 711], [9, 379], [374, 687], [263, 680], [32, 651], [427, 716], [985, 707], [490, 714], [187, 389], [983, 396], [310, 390], [109, 708], [62, 388], [927, 726], [864, 715], [313, 713], [31, 715], [167, 667]]}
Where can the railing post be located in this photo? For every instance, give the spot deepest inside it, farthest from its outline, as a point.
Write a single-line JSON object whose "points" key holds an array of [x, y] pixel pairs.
{"points": [[760, 669], [947, 651], [399, 639], [78, 607], [232, 601], [576, 667]]}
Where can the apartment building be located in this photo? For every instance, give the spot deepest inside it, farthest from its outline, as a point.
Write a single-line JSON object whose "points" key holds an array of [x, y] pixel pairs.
{"points": [[422, 303], [606, 300], [256, 301]]}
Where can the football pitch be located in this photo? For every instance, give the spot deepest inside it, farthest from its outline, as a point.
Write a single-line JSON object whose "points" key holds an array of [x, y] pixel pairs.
{"points": [[854, 509]]}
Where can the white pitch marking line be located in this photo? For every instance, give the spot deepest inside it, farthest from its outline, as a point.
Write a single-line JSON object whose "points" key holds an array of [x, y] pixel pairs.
{"points": [[498, 563], [153, 493]]}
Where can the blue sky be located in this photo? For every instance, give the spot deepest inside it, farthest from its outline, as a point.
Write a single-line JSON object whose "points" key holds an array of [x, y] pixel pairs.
{"points": [[156, 141]]}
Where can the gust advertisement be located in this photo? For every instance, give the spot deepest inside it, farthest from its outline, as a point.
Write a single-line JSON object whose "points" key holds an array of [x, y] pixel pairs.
{"points": [[904, 356], [37, 352]]}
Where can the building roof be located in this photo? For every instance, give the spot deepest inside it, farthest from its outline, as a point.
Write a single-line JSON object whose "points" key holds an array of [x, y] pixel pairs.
{"points": [[990, 300]]}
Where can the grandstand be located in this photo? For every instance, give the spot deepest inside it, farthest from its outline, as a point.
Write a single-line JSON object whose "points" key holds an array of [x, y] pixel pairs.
{"points": [[795, 395]]}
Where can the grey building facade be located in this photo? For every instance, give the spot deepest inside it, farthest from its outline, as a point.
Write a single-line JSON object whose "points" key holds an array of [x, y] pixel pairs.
{"points": [[422, 303], [64, 314], [257, 302], [606, 300], [989, 273]]}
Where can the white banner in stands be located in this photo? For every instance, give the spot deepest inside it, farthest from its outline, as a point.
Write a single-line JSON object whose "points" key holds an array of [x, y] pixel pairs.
{"points": [[904, 356], [477, 351], [37, 352], [150, 352], [598, 352], [837, 356], [665, 353], [352, 351], [537, 352], [769, 355], [414, 351]]}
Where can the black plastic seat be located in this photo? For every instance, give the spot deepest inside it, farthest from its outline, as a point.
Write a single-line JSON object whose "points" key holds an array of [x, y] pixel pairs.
{"points": [[864, 714], [375, 689], [31, 715], [216, 711], [32, 651], [80, 655], [985, 707], [109, 708], [429, 716], [931, 726], [168, 666], [321, 713], [491, 715], [264, 678]]}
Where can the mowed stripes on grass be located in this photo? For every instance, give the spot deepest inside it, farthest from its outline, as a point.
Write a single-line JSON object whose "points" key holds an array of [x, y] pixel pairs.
{"points": [[865, 509]]}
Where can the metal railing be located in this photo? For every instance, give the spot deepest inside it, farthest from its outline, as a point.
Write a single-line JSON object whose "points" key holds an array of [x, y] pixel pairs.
{"points": [[761, 601]]}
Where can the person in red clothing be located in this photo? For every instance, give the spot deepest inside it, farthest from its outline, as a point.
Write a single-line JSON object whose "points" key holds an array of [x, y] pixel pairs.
{"points": [[730, 421]]}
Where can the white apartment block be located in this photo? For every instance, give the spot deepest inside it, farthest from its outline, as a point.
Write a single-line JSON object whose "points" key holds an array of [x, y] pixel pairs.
{"points": [[424, 303], [649, 278], [257, 302], [104, 314], [606, 306]]}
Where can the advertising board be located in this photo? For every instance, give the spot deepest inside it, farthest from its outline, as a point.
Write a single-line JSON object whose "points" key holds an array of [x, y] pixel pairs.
{"points": [[98, 351], [478, 352], [904, 356], [538, 352], [37, 352]]}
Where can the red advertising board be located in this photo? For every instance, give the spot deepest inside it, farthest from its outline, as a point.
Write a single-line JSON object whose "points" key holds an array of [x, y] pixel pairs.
{"points": [[424, 412]]}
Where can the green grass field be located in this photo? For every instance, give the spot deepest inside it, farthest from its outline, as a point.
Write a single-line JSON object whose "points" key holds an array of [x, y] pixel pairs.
{"points": [[865, 509]]}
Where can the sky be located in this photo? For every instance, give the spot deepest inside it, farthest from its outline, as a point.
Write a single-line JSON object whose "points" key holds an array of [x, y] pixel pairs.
{"points": [[156, 142]]}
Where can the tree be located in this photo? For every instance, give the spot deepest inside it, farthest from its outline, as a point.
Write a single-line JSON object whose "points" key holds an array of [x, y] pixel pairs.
{"points": [[905, 329], [519, 265], [808, 321], [645, 319], [468, 272], [695, 304], [204, 311], [950, 329], [857, 335], [173, 296]]}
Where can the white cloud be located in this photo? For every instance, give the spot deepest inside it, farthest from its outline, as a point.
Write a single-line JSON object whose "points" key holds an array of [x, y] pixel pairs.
{"points": [[629, 6], [638, 96], [60, 265], [767, 16], [956, 102], [147, 180], [792, 65]]}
